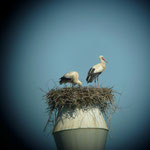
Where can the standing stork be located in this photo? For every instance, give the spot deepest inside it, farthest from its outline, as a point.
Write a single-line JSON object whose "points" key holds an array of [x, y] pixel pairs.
{"points": [[71, 77], [96, 70]]}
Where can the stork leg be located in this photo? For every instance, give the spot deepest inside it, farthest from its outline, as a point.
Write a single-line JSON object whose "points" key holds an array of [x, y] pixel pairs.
{"points": [[95, 83], [98, 83], [71, 85]]}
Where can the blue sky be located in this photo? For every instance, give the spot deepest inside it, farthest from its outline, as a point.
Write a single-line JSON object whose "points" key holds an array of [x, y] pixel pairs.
{"points": [[50, 39]]}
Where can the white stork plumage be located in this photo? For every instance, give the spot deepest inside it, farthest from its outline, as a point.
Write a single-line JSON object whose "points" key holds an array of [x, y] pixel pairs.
{"points": [[71, 77], [96, 70]]}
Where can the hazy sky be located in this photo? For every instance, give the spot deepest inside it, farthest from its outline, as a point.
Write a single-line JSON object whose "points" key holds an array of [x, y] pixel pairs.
{"points": [[46, 40]]}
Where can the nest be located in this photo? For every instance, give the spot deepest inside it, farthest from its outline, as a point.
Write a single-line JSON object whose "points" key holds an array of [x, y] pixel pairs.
{"points": [[79, 98], [82, 98]]}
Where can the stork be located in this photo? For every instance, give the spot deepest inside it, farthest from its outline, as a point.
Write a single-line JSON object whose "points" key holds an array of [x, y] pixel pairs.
{"points": [[96, 70], [71, 77]]}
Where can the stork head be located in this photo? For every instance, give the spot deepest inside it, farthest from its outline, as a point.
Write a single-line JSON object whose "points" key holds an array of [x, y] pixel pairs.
{"points": [[102, 58], [79, 83]]}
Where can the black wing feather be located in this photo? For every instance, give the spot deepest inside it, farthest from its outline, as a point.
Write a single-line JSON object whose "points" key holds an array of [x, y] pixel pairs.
{"points": [[91, 71], [91, 75], [64, 80]]}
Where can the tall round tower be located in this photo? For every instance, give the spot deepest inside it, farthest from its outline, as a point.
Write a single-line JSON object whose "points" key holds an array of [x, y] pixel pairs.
{"points": [[80, 129]]}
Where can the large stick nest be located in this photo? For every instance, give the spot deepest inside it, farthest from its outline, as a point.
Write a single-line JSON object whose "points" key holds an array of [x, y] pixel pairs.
{"points": [[82, 98]]}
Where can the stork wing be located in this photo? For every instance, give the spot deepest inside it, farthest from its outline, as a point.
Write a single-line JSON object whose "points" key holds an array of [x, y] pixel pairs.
{"points": [[91, 71], [69, 75]]}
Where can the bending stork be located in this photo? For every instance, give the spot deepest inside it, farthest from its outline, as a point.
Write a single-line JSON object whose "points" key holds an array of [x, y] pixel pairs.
{"points": [[71, 77]]}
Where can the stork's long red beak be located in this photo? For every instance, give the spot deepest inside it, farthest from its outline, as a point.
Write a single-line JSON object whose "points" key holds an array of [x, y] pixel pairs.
{"points": [[105, 60]]}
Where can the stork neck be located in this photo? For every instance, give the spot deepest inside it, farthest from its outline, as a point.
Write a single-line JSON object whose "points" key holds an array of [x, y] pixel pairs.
{"points": [[102, 61]]}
